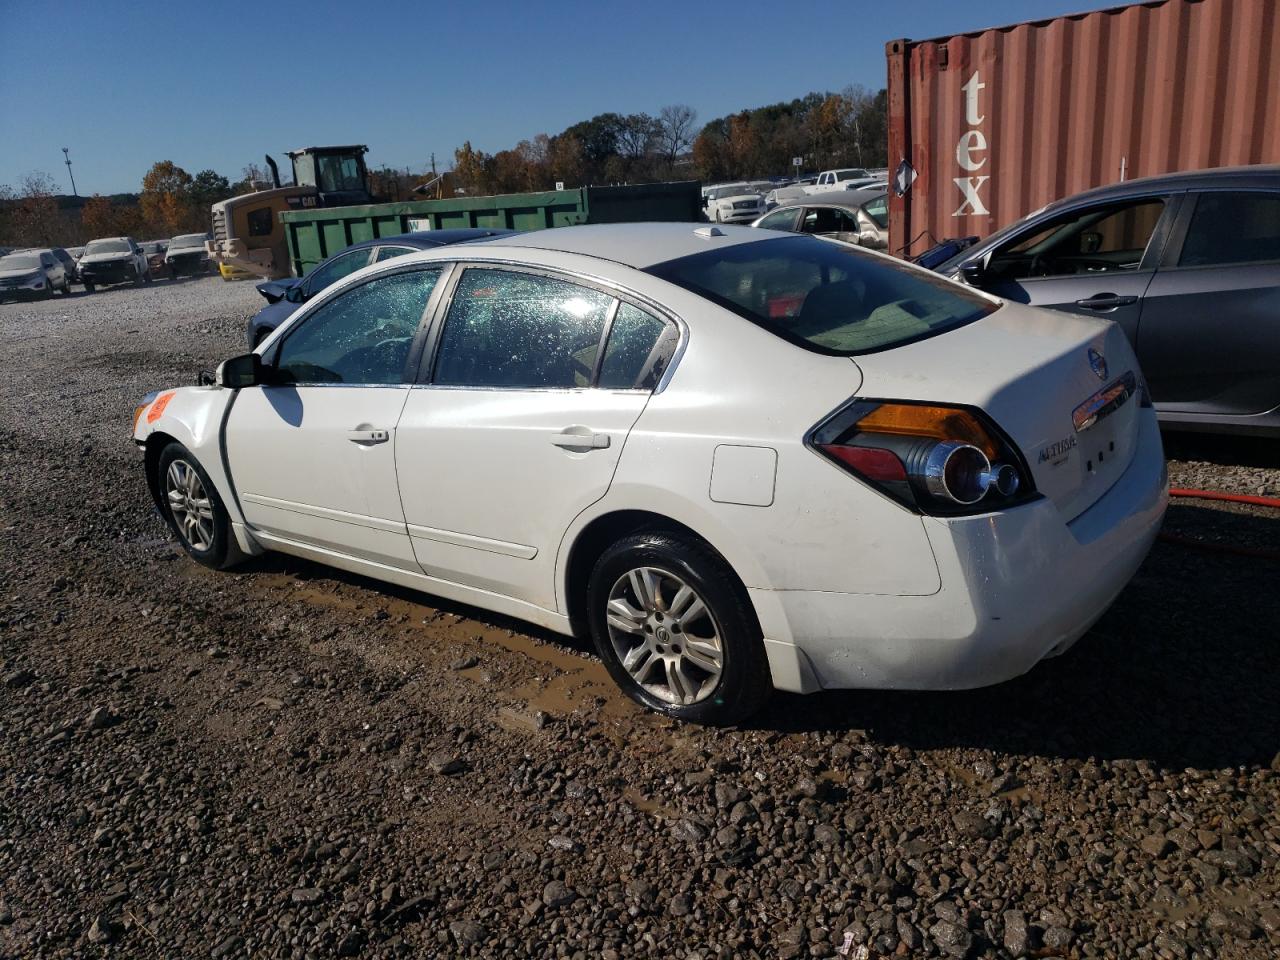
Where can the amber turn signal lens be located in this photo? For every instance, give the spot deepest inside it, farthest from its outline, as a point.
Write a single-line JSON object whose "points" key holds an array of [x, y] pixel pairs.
{"points": [[940, 423]]}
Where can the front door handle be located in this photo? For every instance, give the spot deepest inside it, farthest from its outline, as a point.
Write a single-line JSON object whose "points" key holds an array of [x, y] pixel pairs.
{"points": [[581, 438], [1106, 301], [368, 438]]}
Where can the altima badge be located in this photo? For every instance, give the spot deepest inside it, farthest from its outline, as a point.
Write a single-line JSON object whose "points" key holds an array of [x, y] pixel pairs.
{"points": [[1099, 363]]}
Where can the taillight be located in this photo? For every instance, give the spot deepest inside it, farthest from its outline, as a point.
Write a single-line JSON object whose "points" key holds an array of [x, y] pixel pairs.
{"points": [[933, 459]]}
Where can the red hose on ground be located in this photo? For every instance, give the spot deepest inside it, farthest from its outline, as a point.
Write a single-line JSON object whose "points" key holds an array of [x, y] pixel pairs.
{"points": [[1223, 547], [1228, 497]]}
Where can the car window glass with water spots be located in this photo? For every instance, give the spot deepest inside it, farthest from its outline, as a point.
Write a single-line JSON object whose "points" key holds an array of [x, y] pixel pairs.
{"points": [[639, 349], [521, 331], [361, 336], [1229, 228]]}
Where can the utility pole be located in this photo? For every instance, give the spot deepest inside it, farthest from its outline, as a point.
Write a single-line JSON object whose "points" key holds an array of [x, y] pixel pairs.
{"points": [[66, 152]]}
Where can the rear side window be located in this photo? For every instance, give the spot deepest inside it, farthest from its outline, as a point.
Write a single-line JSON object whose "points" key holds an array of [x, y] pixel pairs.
{"points": [[826, 296], [780, 220], [828, 220], [639, 349], [520, 331], [1233, 228], [386, 253], [878, 210]]}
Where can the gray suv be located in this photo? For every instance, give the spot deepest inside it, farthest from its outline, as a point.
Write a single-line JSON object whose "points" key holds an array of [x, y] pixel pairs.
{"points": [[1187, 264]]}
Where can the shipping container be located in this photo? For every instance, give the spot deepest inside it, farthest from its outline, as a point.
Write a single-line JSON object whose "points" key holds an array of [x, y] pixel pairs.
{"points": [[316, 234], [987, 127]]}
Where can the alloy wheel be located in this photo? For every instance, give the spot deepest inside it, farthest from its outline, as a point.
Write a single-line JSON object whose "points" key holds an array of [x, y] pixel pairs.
{"points": [[190, 505], [665, 636]]}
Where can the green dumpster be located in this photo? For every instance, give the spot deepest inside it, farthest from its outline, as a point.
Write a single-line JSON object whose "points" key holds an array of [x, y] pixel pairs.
{"points": [[316, 234]]}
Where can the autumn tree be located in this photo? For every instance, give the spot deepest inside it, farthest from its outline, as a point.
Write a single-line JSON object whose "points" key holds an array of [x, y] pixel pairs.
{"points": [[34, 220], [472, 170], [166, 198], [98, 217], [567, 160]]}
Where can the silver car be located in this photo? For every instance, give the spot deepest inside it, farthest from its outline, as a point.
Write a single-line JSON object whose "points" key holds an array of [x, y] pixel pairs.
{"points": [[853, 216], [32, 273]]}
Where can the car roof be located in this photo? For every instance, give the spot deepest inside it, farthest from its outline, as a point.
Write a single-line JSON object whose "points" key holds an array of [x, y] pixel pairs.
{"points": [[1244, 176], [834, 198], [427, 239], [638, 245]]}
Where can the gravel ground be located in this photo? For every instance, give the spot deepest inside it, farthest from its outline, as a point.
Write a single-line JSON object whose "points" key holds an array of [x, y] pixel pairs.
{"points": [[286, 761]]}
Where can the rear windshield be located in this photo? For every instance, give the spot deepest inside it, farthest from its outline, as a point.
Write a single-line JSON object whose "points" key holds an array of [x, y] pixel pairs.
{"points": [[826, 296]]}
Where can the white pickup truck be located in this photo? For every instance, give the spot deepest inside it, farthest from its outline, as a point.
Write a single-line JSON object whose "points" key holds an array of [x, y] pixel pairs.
{"points": [[836, 179]]}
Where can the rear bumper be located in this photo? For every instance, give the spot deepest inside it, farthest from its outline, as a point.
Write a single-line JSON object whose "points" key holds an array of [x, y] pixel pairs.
{"points": [[1016, 587]]}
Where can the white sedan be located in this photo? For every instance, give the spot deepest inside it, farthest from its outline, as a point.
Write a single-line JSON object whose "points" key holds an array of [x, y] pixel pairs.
{"points": [[739, 460]]}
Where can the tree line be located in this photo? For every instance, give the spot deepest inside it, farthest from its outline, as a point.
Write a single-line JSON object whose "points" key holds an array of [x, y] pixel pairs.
{"points": [[825, 130], [171, 202]]}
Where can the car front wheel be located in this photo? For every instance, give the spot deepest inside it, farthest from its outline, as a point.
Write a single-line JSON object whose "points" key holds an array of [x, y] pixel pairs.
{"points": [[193, 508], [676, 631]]}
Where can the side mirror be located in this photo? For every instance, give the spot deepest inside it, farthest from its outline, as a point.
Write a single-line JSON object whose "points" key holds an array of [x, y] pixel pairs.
{"points": [[294, 294], [245, 370], [974, 273]]}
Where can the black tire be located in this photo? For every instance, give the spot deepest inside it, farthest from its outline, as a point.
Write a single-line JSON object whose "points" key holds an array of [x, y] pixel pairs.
{"points": [[744, 684], [217, 553], [146, 275], [89, 288]]}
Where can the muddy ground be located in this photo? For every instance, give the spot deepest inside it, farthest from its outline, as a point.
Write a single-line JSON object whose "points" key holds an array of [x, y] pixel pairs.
{"points": [[286, 761]]}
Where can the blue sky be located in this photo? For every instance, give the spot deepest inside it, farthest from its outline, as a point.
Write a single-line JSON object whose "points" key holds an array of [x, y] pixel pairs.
{"points": [[124, 84]]}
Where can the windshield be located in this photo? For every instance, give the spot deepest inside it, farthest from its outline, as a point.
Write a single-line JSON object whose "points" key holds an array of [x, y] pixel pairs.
{"points": [[851, 175], [825, 296], [106, 246], [188, 240], [20, 261], [735, 190]]}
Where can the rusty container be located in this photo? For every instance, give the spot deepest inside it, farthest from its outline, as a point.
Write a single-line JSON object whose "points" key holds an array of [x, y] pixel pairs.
{"points": [[987, 127]]}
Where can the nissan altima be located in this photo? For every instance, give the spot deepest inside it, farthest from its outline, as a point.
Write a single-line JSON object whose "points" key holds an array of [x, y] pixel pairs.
{"points": [[738, 460]]}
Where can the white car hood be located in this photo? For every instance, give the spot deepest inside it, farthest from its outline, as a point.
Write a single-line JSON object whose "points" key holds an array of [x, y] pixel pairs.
{"points": [[1028, 369], [20, 273]]}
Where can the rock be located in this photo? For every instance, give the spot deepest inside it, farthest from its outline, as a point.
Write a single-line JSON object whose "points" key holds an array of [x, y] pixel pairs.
{"points": [[561, 842], [274, 704], [1059, 938], [826, 834], [1269, 917], [99, 718], [556, 894], [103, 930], [1168, 943], [1156, 845], [465, 663], [679, 906], [727, 794], [689, 831], [227, 947], [351, 944], [306, 895], [1228, 921], [467, 933], [743, 812], [1237, 863], [6, 913], [1016, 938], [909, 933], [951, 938], [445, 764], [19, 679], [1184, 840], [972, 826]]}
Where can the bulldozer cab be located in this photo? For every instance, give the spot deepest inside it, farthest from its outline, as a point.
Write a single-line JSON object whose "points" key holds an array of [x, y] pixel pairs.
{"points": [[337, 174]]}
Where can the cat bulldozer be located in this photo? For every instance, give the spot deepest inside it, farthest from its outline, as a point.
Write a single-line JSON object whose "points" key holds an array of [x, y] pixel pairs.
{"points": [[249, 239]]}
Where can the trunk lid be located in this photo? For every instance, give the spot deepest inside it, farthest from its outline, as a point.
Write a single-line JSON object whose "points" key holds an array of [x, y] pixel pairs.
{"points": [[1035, 373]]}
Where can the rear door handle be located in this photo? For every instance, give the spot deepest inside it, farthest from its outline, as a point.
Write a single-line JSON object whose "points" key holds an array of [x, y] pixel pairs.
{"points": [[1106, 301], [368, 438], [584, 440]]}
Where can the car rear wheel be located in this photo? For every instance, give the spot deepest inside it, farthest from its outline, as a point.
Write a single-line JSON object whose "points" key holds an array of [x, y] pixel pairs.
{"points": [[193, 508], [89, 288], [675, 629]]}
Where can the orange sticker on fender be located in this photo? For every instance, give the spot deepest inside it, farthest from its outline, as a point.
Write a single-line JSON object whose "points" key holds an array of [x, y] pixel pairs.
{"points": [[158, 405]]}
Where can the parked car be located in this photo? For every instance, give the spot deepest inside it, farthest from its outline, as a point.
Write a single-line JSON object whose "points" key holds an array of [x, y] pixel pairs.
{"points": [[68, 264], [1188, 266], [31, 273], [663, 436], [853, 216], [76, 253], [187, 256], [285, 296], [113, 260], [835, 179], [734, 203], [154, 251]]}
